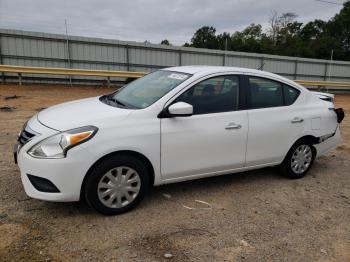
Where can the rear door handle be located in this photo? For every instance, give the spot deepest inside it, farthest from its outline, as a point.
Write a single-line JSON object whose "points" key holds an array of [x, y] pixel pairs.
{"points": [[233, 126], [297, 120]]}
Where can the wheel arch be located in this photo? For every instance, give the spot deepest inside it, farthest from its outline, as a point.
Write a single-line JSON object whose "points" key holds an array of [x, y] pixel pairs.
{"points": [[135, 154], [311, 138], [314, 140]]}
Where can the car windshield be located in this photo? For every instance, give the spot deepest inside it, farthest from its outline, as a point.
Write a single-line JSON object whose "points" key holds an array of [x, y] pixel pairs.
{"points": [[146, 90]]}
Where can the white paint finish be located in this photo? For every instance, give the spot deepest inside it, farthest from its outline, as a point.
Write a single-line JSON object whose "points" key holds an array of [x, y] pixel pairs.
{"points": [[66, 173], [78, 113], [271, 133], [181, 108], [316, 123], [201, 144], [329, 144], [179, 148]]}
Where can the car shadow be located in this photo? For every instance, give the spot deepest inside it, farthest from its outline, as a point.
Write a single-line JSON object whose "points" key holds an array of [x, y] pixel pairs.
{"points": [[208, 185]]}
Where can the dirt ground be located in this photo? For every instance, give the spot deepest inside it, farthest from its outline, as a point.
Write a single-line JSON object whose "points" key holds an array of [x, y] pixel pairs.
{"points": [[255, 216]]}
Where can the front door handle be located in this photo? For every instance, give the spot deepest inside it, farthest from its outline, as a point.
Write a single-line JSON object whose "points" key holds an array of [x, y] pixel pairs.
{"points": [[233, 126], [297, 120]]}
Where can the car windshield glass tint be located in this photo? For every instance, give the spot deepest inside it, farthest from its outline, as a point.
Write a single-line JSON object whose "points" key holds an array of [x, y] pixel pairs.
{"points": [[144, 91]]}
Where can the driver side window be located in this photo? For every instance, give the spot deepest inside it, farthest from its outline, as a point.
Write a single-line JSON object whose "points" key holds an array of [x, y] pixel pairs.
{"points": [[213, 95]]}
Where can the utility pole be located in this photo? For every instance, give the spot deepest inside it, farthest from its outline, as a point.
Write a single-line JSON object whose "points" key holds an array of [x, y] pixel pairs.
{"points": [[1, 62], [330, 66], [224, 61], [68, 53]]}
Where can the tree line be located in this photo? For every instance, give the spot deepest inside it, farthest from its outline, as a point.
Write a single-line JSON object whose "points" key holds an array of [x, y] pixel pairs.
{"points": [[284, 36]]}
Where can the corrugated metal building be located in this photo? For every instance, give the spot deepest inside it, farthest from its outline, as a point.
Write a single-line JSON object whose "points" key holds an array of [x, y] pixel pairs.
{"points": [[54, 50]]}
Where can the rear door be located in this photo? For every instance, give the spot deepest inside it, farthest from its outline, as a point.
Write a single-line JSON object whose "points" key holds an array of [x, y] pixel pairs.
{"points": [[274, 120], [213, 139]]}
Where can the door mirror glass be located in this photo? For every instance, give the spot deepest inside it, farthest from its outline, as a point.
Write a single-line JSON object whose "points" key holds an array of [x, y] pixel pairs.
{"points": [[180, 109]]}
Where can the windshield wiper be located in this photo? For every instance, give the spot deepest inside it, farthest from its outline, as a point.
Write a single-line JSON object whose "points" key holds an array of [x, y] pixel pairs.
{"points": [[116, 101], [110, 100]]}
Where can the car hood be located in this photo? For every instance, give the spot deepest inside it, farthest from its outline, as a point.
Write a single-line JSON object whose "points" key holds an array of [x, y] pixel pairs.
{"points": [[89, 111]]}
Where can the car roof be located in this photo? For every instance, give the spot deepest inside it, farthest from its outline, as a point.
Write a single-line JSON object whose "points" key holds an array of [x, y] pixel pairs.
{"points": [[206, 70]]}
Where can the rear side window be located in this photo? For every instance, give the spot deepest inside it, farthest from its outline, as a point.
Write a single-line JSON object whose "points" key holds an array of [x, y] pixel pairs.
{"points": [[265, 93], [290, 94], [213, 95], [268, 93]]}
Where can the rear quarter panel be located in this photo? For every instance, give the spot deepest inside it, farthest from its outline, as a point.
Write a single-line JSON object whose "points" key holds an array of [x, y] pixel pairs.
{"points": [[322, 119], [319, 121]]}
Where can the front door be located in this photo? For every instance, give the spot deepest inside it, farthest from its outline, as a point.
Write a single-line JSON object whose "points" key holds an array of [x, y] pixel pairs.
{"points": [[213, 139]]}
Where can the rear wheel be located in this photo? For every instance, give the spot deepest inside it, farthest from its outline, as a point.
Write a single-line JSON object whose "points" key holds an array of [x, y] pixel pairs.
{"points": [[116, 185], [299, 159]]}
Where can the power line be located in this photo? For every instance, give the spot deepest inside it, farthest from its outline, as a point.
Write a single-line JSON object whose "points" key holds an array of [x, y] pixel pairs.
{"points": [[329, 2]]}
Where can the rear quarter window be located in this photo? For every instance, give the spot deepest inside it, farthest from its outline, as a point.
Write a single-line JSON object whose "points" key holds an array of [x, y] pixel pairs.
{"points": [[290, 94]]}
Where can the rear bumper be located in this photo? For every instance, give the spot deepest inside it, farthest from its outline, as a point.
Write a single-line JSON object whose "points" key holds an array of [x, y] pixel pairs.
{"points": [[329, 144]]}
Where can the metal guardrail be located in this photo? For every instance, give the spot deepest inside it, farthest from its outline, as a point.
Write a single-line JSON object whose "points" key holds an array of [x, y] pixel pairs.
{"points": [[124, 74], [67, 71], [322, 83]]}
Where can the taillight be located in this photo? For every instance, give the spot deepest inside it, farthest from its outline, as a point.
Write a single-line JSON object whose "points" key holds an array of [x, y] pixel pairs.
{"points": [[340, 114]]}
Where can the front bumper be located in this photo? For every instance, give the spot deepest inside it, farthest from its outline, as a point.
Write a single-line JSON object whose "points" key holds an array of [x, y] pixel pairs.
{"points": [[66, 174]]}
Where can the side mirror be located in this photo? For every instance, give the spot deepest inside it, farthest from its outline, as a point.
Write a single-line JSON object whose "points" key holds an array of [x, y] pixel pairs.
{"points": [[180, 109]]}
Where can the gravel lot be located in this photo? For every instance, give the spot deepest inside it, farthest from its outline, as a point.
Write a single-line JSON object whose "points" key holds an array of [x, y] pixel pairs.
{"points": [[255, 216]]}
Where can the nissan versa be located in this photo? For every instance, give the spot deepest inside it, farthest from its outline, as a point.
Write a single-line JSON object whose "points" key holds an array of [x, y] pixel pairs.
{"points": [[172, 125]]}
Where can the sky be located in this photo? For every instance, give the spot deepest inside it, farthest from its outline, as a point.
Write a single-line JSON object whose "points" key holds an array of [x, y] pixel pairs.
{"points": [[152, 20]]}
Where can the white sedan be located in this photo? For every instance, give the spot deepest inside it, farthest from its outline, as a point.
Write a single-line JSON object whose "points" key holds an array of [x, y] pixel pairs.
{"points": [[172, 125]]}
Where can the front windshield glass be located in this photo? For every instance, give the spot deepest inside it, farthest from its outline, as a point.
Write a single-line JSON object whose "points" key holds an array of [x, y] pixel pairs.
{"points": [[146, 90]]}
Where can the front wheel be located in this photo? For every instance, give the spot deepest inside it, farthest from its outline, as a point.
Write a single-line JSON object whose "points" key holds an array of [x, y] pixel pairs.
{"points": [[116, 185], [299, 159]]}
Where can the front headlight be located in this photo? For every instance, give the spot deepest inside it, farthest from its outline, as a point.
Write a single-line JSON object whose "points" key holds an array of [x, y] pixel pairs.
{"points": [[56, 146]]}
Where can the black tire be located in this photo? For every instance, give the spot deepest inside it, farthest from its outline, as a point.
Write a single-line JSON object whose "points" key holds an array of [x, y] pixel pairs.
{"points": [[286, 166], [100, 169]]}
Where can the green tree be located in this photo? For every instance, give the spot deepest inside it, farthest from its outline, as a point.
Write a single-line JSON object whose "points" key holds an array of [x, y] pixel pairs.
{"points": [[251, 37], [165, 42], [339, 27], [205, 37], [224, 41], [278, 23], [285, 36], [313, 30]]}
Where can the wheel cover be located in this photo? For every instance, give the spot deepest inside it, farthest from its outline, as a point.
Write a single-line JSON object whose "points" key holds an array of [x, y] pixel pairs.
{"points": [[119, 187], [301, 159]]}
